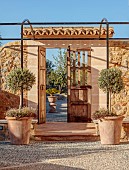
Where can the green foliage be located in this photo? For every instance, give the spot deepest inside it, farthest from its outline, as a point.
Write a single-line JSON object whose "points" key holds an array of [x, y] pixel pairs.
{"points": [[57, 76], [51, 78], [49, 66], [19, 113], [61, 69], [110, 80], [19, 78], [52, 91], [50, 73], [101, 113]]}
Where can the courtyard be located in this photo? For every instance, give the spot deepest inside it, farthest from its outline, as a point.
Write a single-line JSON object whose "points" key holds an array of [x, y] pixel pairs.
{"points": [[62, 140], [94, 36]]}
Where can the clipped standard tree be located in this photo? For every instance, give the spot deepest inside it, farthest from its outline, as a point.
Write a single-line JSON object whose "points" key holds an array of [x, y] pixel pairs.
{"points": [[19, 120], [20, 79], [110, 81]]}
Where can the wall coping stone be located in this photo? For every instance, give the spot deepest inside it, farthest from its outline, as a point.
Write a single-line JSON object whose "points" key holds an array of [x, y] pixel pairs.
{"points": [[4, 121]]}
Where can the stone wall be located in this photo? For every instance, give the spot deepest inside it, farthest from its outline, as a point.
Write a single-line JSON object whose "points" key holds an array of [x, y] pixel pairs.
{"points": [[32, 65], [10, 58], [119, 57], [98, 62]]}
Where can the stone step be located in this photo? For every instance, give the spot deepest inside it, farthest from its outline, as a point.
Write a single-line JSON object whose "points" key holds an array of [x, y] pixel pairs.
{"points": [[82, 138], [63, 131]]}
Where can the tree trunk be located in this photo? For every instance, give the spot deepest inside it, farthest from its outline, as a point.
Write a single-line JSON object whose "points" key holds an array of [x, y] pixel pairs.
{"points": [[21, 99], [110, 101], [60, 88]]}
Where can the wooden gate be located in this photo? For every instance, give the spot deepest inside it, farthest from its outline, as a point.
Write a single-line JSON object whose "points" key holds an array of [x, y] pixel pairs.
{"points": [[41, 84], [79, 85]]}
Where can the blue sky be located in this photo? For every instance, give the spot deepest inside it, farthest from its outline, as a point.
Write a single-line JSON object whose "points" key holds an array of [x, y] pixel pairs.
{"points": [[62, 10]]}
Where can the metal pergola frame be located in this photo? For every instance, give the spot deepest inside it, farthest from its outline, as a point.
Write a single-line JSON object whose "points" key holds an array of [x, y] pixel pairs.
{"points": [[27, 22]]}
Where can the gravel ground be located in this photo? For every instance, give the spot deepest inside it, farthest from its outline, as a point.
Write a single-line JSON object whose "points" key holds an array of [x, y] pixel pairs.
{"points": [[64, 156]]}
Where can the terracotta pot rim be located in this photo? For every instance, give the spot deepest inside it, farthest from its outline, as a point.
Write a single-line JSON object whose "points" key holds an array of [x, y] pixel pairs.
{"points": [[14, 118], [112, 118]]}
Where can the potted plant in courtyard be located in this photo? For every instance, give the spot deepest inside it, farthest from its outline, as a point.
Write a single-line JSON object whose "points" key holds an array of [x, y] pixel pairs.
{"points": [[110, 123], [52, 99], [19, 120]]}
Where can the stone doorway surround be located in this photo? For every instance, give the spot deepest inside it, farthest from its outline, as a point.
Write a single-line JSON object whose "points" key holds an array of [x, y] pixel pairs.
{"points": [[64, 37]]}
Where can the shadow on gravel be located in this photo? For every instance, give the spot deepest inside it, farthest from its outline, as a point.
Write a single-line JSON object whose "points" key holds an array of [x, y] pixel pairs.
{"points": [[41, 152], [41, 166]]}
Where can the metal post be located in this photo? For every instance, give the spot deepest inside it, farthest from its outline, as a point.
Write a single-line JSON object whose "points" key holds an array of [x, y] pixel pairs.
{"points": [[26, 20], [107, 44], [21, 95], [68, 81], [107, 38]]}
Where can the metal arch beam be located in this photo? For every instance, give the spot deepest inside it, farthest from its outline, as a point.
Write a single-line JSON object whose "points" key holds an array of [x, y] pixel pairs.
{"points": [[103, 20], [107, 37], [22, 24], [107, 41]]}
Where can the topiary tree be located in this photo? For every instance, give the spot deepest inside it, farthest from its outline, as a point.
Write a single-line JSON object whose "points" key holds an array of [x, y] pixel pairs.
{"points": [[20, 79], [110, 81]]}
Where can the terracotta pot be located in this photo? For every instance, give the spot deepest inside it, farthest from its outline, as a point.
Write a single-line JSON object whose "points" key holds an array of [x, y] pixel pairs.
{"points": [[52, 104], [19, 130], [110, 130], [52, 99]]}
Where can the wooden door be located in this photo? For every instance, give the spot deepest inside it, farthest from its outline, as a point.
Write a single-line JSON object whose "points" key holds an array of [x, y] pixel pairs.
{"points": [[41, 85], [79, 85]]}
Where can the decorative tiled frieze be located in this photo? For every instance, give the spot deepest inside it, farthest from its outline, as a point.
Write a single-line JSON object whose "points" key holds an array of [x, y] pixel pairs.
{"points": [[66, 31]]}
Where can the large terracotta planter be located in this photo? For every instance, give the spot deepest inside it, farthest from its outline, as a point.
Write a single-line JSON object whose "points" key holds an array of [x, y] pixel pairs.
{"points": [[19, 130], [52, 104], [110, 130]]}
